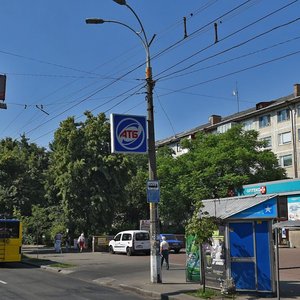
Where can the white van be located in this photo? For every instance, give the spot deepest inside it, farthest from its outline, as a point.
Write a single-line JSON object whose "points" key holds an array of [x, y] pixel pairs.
{"points": [[130, 242]]}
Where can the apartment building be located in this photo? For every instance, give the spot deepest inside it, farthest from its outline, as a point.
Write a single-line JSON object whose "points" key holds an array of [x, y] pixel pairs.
{"points": [[277, 121]]}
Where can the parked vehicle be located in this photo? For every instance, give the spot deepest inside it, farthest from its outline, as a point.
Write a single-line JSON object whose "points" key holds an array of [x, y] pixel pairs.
{"points": [[175, 244], [130, 242]]}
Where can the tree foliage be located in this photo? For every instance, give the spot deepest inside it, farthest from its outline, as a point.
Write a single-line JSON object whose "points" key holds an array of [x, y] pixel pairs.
{"points": [[217, 163], [22, 174], [81, 186], [175, 205], [87, 179]]}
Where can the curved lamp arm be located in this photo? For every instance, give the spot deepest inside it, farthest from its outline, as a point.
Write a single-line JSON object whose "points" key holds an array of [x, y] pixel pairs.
{"points": [[101, 21]]}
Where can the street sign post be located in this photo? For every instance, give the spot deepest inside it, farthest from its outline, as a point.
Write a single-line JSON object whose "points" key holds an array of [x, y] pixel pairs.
{"points": [[153, 191]]}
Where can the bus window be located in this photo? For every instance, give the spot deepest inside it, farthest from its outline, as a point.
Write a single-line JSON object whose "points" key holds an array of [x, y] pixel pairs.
{"points": [[9, 229], [10, 240]]}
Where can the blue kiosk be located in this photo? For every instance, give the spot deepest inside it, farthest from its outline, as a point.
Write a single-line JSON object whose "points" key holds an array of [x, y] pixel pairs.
{"points": [[247, 258]]}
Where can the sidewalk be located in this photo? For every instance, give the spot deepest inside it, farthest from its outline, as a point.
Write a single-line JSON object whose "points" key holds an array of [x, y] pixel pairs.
{"points": [[174, 285]]}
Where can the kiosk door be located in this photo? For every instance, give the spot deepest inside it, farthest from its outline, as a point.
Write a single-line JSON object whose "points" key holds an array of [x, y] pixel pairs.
{"points": [[250, 255]]}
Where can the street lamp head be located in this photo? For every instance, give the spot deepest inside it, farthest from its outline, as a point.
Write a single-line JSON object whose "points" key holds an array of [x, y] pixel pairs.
{"points": [[121, 2], [94, 21]]}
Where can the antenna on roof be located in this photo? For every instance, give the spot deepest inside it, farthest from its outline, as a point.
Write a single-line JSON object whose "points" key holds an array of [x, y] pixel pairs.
{"points": [[236, 94]]}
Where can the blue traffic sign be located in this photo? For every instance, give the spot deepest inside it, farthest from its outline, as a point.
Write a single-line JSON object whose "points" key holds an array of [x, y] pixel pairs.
{"points": [[128, 134], [153, 191]]}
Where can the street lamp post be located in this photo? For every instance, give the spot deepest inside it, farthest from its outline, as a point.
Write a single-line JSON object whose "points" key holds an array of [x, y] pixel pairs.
{"points": [[154, 225]]}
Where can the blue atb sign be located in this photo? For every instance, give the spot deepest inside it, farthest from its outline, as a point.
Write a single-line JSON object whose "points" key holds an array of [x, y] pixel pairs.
{"points": [[128, 134]]}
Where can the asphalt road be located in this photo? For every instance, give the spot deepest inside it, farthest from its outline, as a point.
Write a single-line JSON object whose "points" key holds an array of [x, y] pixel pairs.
{"points": [[110, 265], [105, 269], [19, 281]]}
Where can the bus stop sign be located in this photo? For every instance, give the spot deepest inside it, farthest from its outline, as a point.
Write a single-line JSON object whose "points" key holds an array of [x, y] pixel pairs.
{"points": [[153, 191]]}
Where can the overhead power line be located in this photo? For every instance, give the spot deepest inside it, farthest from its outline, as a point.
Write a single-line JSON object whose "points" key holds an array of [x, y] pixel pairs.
{"points": [[51, 131], [232, 73], [207, 25], [226, 61], [228, 36], [138, 66], [101, 89]]}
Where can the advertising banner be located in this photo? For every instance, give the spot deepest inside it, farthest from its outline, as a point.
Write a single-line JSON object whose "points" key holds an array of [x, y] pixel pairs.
{"points": [[214, 259], [145, 225], [294, 208], [192, 260]]}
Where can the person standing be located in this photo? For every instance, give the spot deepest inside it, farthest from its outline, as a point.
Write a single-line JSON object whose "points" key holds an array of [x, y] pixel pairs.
{"points": [[67, 240], [81, 242], [57, 242], [164, 251]]}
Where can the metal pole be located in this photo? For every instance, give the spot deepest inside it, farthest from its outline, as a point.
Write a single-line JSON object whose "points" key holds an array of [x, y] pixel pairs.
{"points": [[292, 111], [277, 264]]}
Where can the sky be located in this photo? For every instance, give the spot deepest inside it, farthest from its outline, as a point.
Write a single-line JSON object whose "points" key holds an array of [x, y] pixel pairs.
{"points": [[230, 55]]}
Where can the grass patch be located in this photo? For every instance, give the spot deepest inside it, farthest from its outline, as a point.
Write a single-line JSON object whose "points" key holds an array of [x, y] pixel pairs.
{"points": [[46, 262], [210, 294], [62, 265]]}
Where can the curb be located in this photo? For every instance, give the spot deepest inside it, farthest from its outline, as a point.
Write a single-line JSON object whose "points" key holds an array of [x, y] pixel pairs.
{"points": [[58, 270], [48, 268], [112, 283], [143, 292]]}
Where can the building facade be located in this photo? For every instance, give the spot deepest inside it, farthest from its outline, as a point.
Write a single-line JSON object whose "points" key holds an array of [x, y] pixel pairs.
{"points": [[277, 121]]}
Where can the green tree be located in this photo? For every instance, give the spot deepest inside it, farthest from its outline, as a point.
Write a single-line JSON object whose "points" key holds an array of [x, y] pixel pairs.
{"points": [[22, 171], [213, 164], [218, 162], [84, 176], [174, 205]]}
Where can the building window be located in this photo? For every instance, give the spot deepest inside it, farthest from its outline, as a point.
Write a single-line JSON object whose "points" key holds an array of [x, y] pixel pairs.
{"points": [[298, 110], [264, 121], [248, 125], [268, 141], [223, 128], [298, 134], [283, 115], [284, 138], [286, 160]]}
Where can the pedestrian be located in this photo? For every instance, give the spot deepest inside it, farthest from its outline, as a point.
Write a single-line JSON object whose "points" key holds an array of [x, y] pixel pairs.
{"points": [[67, 241], [57, 242], [81, 242], [164, 252]]}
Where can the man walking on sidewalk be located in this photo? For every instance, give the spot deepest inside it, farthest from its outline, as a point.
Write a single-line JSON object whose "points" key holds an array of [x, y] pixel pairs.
{"points": [[164, 251]]}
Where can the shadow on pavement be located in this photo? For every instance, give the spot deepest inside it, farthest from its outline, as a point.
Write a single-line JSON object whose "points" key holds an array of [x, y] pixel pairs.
{"points": [[168, 296]]}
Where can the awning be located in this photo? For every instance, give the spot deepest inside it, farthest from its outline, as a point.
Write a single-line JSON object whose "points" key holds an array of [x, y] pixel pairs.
{"points": [[288, 225], [224, 208]]}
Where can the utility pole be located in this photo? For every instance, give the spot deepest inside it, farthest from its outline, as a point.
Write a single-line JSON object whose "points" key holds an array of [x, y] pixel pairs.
{"points": [[154, 224]]}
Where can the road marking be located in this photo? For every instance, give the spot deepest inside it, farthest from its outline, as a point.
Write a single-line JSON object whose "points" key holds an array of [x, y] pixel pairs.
{"points": [[3, 282]]}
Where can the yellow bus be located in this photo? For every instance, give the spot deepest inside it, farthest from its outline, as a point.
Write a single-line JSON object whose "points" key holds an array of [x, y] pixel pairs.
{"points": [[10, 240]]}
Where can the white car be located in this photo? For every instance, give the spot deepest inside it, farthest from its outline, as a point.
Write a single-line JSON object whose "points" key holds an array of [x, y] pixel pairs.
{"points": [[130, 242]]}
